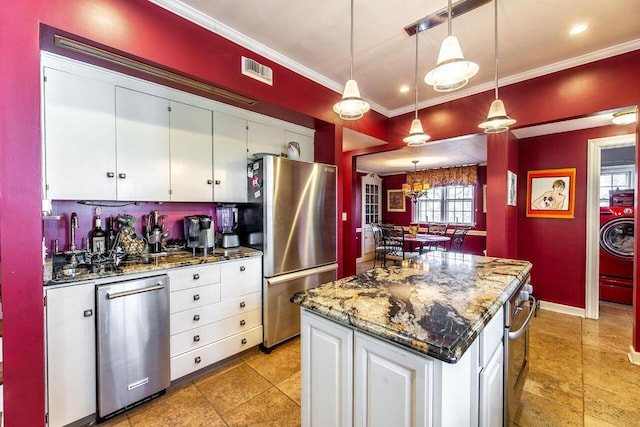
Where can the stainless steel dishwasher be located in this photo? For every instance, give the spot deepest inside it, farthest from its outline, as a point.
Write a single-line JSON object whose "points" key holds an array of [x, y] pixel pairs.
{"points": [[133, 342]]}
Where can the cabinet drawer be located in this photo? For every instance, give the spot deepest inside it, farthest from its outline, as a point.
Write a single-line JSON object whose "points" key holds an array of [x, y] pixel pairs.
{"points": [[491, 337], [190, 277], [194, 297], [203, 315], [198, 337], [241, 277], [204, 356]]}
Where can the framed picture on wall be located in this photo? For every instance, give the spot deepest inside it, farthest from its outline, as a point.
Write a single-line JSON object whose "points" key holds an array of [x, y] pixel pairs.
{"points": [[395, 201], [512, 182], [551, 193]]}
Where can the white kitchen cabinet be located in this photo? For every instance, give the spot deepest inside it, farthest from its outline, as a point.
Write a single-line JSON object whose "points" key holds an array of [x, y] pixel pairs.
{"points": [[142, 146], [262, 138], [305, 142], [327, 372], [190, 137], [206, 329], [491, 373], [392, 386], [71, 353], [229, 158], [79, 137]]}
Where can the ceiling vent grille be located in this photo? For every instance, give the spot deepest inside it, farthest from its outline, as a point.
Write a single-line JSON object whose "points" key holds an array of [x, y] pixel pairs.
{"points": [[255, 70]]}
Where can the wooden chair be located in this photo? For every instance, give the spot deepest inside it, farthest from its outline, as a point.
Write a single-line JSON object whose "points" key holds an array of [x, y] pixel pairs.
{"points": [[438, 230], [457, 239]]}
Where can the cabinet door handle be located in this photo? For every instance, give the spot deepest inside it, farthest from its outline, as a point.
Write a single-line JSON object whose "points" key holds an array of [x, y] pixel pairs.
{"points": [[87, 313], [242, 304], [243, 268], [196, 338], [196, 317], [209, 181], [196, 297], [196, 276], [242, 322], [197, 359], [218, 182], [122, 175], [110, 174], [244, 341]]}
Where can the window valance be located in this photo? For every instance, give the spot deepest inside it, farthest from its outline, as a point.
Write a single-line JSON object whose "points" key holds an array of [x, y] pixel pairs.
{"points": [[460, 175]]}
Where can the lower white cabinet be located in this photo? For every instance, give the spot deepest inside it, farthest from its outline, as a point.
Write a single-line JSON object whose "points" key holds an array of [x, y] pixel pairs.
{"points": [[350, 378], [216, 315], [71, 353]]}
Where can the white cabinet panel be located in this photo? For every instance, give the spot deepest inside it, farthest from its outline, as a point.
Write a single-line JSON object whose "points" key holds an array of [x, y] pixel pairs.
{"points": [[71, 354], [191, 153], [192, 277], [229, 158], [491, 391], [262, 138], [306, 144], [142, 146], [79, 137], [327, 372], [194, 297], [241, 277]]}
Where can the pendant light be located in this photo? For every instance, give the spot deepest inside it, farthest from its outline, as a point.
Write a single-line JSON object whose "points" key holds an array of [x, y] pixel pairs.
{"points": [[452, 71], [497, 120], [416, 136], [414, 188], [351, 106]]}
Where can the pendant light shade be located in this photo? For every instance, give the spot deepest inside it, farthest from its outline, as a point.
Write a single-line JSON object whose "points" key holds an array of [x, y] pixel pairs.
{"points": [[625, 117], [416, 136], [497, 120], [351, 106], [452, 71]]}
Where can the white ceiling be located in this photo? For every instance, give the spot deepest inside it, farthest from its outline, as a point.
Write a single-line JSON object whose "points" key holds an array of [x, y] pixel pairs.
{"points": [[312, 38]]}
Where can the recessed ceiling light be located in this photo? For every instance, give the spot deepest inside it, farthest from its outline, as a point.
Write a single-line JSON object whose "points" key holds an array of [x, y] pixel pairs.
{"points": [[404, 89], [578, 29]]}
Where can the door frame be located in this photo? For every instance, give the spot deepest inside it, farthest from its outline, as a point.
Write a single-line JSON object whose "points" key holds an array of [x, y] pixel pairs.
{"points": [[592, 276], [372, 178]]}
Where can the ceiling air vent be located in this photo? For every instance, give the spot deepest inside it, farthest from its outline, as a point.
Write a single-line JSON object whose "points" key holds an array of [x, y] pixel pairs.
{"points": [[257, 71]]}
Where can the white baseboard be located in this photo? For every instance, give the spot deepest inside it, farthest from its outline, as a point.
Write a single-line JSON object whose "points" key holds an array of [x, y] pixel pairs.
{"points": [[564, 309], [634, 356]]}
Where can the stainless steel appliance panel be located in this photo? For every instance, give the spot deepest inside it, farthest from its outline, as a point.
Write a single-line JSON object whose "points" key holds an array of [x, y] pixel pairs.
{"points": [[300, 213], [133, 341], [281, 317]]}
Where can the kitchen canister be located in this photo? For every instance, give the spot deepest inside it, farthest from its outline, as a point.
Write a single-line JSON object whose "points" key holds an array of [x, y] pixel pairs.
{"points": [[293, 150]]}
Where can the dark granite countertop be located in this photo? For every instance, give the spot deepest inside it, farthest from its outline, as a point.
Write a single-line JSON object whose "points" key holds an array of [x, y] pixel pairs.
{"points": [[149, 263], [437, 307]]}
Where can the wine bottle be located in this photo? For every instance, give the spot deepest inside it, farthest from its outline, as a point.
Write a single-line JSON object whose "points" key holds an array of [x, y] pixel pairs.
{"points": [[98, 238], [111, 234]]}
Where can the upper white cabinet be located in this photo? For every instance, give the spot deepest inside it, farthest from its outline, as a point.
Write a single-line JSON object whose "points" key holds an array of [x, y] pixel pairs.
{"points": [[262, 138], [79, 132], [305, 141], [191, 153], [229, 158], [142, 146]]}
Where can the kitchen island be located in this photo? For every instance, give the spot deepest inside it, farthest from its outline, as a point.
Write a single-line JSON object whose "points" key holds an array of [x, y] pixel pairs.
{"points": [[417, 345]]}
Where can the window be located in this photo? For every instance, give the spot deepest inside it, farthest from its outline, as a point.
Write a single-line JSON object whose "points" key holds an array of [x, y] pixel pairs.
{"points": [[452, 204], [614, 178]]}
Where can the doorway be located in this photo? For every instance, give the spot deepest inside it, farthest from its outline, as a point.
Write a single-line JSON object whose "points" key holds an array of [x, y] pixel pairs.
{"points": [[594, 161], [371, 209]]}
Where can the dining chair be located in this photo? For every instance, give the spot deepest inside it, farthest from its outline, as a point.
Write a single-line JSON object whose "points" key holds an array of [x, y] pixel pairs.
{"points": [[380, 248], [396, 244], [439, 229], [457, 239]]}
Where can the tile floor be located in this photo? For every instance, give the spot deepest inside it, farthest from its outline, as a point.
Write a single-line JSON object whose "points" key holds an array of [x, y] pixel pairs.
{"points": [[579, 376]]}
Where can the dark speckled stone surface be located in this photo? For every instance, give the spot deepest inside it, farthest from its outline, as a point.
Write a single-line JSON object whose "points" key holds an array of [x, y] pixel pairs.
{"points": [[436, 307]]}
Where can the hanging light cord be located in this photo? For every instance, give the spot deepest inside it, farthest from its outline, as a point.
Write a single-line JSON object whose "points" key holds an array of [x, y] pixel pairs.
{"points": [[415, 80], [449, 18], [351, 47], [495, 18]]}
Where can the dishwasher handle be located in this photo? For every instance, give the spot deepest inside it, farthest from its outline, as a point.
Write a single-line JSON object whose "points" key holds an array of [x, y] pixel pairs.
{"points": [[516, 334], [134, 291]]}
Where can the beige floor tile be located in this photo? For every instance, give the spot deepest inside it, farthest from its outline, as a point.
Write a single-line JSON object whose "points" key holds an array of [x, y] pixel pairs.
{"points": [[562, 326], [159, 400], [232, 387], [291, 387], [557, 386], [119, 421], [589, 421], [539, 411], [610, 370], [283, 361], [604, 335], [188, 408], [619, 409], [269, 409]]}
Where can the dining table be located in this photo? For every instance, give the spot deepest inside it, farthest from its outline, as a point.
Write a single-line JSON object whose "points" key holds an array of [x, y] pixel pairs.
{"points": [[425, 239]]}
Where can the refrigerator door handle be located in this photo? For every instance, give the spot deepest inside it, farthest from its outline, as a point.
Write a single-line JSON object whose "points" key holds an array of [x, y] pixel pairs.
{"points": [[298, 274]]}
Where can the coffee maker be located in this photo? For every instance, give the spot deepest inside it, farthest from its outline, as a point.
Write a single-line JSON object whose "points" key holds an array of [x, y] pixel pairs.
{"points": [[227, 216], [199, 232]]}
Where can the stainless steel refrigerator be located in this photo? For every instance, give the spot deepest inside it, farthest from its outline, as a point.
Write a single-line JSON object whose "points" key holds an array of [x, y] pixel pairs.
{"points": [[295, 225]]}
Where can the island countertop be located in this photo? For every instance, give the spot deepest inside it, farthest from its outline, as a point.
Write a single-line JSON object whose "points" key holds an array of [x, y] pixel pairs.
{"points": [[437, 306]]}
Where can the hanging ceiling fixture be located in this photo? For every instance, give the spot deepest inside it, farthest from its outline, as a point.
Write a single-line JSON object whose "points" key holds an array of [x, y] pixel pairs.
{"points": [[414, 188], [351, 106], [452, 71], [497, 120], [416, 136], [625, 117]]}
